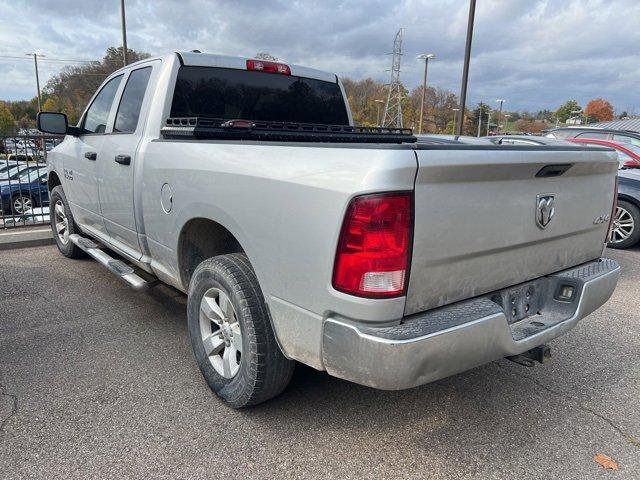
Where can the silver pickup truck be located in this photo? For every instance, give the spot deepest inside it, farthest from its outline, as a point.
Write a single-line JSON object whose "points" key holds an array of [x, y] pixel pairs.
{"points": [[385, 259]]}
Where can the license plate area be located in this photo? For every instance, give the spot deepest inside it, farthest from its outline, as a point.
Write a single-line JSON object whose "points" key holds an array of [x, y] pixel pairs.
{"points": [[522, 301]]}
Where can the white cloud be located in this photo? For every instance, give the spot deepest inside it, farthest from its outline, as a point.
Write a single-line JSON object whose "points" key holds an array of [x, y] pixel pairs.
{"points": [[533, 53]]}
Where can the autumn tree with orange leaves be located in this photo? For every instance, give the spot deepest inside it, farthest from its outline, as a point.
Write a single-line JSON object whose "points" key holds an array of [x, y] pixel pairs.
{"points": [[600, 109]]}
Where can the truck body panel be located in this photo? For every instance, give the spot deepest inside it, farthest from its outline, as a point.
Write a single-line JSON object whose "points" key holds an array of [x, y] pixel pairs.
{"points": [[474, 228]]}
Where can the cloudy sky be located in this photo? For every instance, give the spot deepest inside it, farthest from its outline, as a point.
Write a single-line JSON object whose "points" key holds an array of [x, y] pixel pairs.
{"points": [[533, 53]]}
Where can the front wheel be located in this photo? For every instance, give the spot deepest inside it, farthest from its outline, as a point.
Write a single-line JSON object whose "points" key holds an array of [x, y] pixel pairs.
{"points": [[625, 231], [62, 224], [231, 335]]}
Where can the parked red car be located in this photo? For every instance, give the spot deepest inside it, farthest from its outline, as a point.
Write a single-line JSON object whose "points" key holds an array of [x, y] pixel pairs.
{"points": [[628, 154]]}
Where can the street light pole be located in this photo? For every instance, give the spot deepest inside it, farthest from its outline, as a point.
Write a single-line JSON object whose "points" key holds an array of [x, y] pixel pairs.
{"points": [[453, 130], [479, 120], [124, 33], [467, 59], [426, 57], [501, 100], [378, 103], [35, 64]]}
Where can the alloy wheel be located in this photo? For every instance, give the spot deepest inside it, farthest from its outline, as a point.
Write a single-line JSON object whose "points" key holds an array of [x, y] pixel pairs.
{"points": [[22, 204], [61, 222], [623, 225], [220, 332]]}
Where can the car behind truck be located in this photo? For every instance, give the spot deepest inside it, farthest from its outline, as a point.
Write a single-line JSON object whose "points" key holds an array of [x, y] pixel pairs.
{"points": [[385, 259]]}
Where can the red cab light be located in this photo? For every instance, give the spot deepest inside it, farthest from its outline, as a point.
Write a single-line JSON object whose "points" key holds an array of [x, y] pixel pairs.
{"points": [[268, 67], [373, 253]]}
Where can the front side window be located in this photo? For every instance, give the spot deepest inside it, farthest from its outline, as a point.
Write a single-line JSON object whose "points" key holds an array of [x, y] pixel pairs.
{"points": [[96, 119], [131, 102], [560, 134]]}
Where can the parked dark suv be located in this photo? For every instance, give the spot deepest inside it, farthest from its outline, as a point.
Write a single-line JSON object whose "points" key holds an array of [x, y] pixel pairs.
{"points": [[625, 136]]}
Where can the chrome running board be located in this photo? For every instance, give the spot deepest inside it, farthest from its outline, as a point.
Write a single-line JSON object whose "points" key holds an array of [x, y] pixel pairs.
{"points": [[117, 267]]}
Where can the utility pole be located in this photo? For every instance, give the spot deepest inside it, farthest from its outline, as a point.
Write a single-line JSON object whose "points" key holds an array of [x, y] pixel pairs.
{"points": [[467, 59], [453, 130], [479, 120], [506, 122], [426, 57], [35, 64], [392, 116], [501, 101], [488, 121], [378, 103], [124, 33]]}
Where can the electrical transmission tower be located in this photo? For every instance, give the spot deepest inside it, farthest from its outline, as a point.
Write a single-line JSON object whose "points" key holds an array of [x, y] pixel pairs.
{"points": [[393, 108]]}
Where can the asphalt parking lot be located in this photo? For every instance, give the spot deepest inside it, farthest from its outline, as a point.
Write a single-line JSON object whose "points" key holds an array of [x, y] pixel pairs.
{"points": [[98, 381]]}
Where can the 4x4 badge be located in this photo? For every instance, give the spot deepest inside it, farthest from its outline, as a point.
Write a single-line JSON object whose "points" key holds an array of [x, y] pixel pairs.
{"points": [[545, 209]]}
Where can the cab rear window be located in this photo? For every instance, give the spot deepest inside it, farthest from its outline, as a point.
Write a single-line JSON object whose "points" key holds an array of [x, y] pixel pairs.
{"points": [[240, 94]]}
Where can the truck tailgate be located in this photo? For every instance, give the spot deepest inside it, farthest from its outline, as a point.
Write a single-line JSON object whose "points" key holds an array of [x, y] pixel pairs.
{"points": [[475, 218]]}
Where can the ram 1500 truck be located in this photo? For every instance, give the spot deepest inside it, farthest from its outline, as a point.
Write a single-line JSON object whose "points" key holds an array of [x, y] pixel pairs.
{"points": [[385, 259]]}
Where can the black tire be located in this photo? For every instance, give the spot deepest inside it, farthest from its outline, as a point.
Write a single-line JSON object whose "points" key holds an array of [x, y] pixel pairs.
{"points": [[24, 196], [634, 212], [68, 249], [264, 372]]}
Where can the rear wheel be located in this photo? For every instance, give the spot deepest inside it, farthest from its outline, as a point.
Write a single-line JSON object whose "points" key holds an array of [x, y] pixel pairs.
{"points": [[62, 224], [625, 231], [231, 335], [21, 203]]}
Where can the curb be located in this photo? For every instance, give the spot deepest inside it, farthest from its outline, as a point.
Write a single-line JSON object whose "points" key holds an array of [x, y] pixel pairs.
{"points": [[21, 238]]}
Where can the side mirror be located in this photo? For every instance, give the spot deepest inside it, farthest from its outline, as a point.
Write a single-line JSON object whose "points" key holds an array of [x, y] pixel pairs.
{"points": [[52, 122], [55, 123]]}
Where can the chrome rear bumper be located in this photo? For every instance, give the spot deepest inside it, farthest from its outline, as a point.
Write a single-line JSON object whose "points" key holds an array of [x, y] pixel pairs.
{"points": [[441, 342]]}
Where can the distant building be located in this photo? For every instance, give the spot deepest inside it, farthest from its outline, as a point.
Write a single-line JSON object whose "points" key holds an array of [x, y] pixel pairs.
{"points": [[626, 124]]}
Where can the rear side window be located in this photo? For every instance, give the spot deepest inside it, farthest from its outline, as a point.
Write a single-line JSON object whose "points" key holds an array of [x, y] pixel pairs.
{"points": [[96, 119], [626, 139], [602, 136], [240, 94], [131, 101]]}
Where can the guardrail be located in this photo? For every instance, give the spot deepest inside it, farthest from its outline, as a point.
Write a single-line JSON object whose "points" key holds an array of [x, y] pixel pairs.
{"points": [[24, 198]]}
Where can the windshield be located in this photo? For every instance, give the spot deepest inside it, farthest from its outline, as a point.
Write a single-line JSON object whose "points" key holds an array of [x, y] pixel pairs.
{"points": [[12, 173], [31, 175], [17, 172], [230, 94]]}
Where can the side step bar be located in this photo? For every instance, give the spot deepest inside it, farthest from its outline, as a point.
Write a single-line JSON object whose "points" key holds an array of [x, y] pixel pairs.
{"points": [[117, 267]]}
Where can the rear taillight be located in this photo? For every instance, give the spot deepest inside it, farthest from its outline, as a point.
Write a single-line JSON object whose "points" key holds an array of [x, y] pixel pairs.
{"points": [[268, 67], [632, 164], [372, 259], [614, 206]]}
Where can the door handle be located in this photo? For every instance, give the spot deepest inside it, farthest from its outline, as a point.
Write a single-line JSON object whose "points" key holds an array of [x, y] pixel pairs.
{"points": [[123, 159], [91, 155]]}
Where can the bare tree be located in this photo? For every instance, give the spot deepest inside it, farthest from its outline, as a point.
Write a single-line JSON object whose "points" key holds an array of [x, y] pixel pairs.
{"points": [[266, 56]]}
